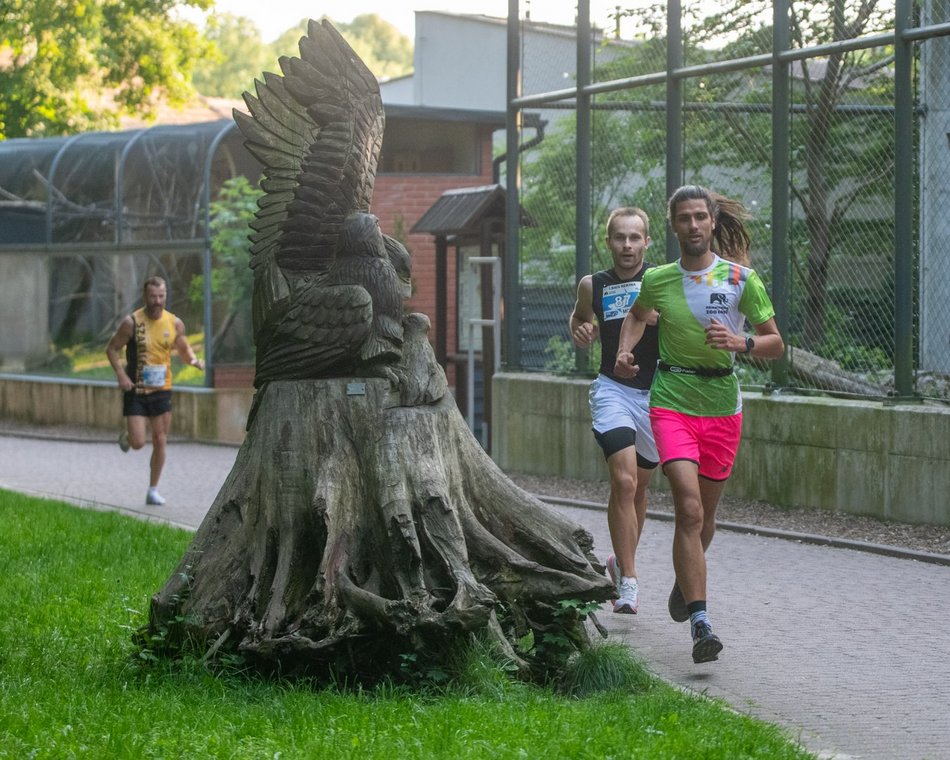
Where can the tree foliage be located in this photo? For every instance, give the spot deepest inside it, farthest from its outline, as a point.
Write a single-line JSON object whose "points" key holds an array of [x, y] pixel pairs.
{"points": [[842, 152], [383, 48], [841, 144], [232, 281], [240, 55], [73, 65]]}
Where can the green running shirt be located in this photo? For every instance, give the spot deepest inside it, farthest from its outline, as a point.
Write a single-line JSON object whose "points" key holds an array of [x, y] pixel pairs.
{"points": [[687, 301]]}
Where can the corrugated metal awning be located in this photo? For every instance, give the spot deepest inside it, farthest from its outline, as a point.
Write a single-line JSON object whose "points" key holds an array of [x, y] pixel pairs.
{"points": [[461, 211]]}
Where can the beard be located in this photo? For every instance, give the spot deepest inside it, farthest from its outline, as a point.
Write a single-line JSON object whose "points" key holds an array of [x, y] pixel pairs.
{"points": [[694, 249]]}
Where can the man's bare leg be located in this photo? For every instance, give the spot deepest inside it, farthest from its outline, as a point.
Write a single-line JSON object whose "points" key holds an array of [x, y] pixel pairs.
{"points": [[160, 428]]}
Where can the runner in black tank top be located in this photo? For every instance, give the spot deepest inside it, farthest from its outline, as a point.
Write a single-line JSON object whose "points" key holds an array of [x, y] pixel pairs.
{"points": [[620, 408]]}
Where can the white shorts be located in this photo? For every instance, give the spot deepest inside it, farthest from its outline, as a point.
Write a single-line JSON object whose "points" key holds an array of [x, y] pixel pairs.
{"points": [[613, 405]]}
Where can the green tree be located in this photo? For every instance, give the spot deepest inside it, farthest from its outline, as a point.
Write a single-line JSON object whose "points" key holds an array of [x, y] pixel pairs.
{"points": [[72, 65], [383, 48], [628, 152], [841, 153], [239, 55]]}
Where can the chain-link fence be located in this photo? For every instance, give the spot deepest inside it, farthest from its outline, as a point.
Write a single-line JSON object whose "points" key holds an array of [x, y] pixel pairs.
{"points": [[830, 182]]}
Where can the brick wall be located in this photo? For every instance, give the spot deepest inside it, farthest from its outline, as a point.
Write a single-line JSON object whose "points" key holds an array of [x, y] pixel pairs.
{"points": [[403, 199]]}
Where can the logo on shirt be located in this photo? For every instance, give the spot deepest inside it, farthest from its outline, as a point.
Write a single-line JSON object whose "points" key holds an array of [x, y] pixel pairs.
{"points": [[719, 303]]}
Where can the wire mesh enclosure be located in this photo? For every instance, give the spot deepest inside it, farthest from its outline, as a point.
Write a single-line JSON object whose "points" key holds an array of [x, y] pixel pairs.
{"points": [[798, 111], [84, 220]]}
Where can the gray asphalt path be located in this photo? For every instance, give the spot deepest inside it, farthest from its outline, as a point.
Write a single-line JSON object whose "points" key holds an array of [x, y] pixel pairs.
{"points": [[849, 651]]}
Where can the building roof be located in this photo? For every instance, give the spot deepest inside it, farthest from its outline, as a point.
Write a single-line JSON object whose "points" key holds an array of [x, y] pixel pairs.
{"points": [[461, 211]]}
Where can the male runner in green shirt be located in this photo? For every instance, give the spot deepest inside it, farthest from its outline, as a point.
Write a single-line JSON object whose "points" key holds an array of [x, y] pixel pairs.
{"points": [[704, 300]]}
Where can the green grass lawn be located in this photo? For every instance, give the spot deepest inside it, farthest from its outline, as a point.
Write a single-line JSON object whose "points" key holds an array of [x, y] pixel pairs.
{"points": [[72, 684]]}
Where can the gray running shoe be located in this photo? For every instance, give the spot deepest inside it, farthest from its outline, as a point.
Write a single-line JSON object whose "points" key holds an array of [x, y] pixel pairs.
{"points": [[677, 605], [124, 441], [706, 644]]}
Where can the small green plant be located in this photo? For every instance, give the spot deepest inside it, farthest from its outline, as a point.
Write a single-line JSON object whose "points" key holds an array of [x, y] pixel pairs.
{"points": [[604, 667], [420, 671], [562, 352], [232, 280]]}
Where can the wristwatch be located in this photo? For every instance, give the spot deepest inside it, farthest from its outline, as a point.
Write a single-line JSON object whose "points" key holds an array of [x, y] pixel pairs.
{"points": [[749, 344]]}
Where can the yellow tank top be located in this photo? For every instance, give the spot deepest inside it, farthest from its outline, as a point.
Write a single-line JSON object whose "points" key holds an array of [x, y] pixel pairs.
{"points": [[149, 353]]}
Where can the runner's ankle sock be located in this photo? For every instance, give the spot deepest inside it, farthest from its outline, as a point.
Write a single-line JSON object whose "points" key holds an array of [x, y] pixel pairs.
{"points": [[697, 614]]}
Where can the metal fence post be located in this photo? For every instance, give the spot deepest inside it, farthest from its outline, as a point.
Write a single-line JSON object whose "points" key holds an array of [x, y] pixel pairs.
{"points": [[781, 100], [674, 111], [513, 119], [582, 158], [903, 203]]}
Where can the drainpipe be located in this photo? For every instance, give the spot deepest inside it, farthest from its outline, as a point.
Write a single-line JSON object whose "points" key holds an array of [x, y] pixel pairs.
{"points": [[499, 160]]}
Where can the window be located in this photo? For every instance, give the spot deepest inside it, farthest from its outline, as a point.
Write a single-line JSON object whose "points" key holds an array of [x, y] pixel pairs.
{"points": [[413, 146]]}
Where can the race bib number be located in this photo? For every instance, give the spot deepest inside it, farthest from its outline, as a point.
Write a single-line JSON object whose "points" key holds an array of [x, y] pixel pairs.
{"points": [[618, 299], [153, 375]]}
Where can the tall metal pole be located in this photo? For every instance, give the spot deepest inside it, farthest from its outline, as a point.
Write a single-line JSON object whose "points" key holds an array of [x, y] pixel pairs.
{"points": [[582, 157], [903, 203], [674, 111], [206, 260], [781, 178], [512, 288]]}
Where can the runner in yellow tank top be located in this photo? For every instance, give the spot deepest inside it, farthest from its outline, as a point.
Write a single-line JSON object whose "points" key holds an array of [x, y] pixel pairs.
{"points": [[148, 337], [149, 353]]}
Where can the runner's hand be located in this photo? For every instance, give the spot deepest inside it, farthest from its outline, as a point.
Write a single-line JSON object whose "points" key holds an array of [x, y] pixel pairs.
{"points": [[584, 334], [626, 365], [720, 336]]}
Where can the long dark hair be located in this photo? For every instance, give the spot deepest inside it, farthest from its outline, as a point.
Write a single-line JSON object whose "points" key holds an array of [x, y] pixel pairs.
{"points": [[732, 238]]}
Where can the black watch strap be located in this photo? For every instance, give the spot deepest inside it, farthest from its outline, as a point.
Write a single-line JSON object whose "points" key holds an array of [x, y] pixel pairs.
{"points": [[749, 344]]}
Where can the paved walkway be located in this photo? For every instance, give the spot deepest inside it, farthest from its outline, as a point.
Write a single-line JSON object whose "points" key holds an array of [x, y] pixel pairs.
{"points": [[849, 651]]}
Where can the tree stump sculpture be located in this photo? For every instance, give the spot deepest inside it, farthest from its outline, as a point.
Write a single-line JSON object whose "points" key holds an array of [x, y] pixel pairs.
{"points": [[361, 521]]}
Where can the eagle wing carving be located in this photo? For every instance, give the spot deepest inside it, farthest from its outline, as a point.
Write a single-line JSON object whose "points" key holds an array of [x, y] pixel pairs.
{"points": [[328, 284]]}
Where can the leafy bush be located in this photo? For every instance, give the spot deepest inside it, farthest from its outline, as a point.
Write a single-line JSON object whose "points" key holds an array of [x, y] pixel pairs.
{"points": [[562, 353], [232, 281]]}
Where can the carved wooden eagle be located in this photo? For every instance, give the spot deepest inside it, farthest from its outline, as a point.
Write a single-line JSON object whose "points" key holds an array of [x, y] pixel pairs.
{"points": [[328, 285]]}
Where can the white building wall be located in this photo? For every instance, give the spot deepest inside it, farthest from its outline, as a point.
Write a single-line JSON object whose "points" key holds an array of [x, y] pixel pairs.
{"points": [[460, 62]]}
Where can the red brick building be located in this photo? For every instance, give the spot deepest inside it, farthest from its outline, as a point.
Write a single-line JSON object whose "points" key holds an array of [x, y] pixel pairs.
{"points": [[426, 152]]}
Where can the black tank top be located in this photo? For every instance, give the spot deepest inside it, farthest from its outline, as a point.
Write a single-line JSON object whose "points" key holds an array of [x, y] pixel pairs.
{"points": [[612, 298]]}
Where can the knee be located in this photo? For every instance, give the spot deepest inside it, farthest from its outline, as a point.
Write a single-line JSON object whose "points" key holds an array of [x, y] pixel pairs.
{"points": [[624, 484], [689, 516]]}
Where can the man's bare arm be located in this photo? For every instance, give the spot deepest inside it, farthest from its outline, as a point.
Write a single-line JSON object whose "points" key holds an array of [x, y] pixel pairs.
{"points": [[631, 331], [185, 351], [581, 324], [114, 349], [768, 340]]}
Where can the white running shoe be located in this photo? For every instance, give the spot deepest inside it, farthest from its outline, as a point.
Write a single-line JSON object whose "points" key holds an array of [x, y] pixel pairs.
{"points": [[154, 498], [628, 590]]}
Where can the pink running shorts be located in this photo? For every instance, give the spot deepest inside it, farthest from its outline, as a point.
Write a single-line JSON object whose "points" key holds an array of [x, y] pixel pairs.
{"points": [[711, 442]]}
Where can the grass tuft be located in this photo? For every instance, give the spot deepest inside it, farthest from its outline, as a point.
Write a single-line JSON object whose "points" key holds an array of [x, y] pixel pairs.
{"points": [[604, 668]]}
